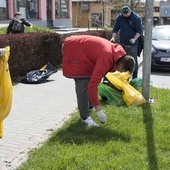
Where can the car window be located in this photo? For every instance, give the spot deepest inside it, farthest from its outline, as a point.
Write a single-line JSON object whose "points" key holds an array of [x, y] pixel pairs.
{"points": [[161, 34]]}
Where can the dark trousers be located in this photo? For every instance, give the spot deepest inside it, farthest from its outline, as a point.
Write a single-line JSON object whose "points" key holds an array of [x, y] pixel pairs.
{"points": [[81, 88], [132, 50]]}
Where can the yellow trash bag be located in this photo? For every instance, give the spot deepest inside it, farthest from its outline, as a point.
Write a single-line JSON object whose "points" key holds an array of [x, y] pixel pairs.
{"points": [[130, 94], [6, 89]]}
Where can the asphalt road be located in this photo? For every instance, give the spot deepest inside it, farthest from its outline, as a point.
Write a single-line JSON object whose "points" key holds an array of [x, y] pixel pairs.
{"points": [[158, 78]]}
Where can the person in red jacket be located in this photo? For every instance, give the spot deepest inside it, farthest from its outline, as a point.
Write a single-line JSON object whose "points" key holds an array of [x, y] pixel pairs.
{"points": [[87, 59]]}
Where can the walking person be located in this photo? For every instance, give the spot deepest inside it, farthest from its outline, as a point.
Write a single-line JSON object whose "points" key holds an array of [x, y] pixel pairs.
{"points": [[17, 24], [87, 59], [128, 25]]}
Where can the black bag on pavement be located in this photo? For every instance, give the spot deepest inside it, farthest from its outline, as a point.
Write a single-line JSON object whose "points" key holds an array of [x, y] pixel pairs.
{"points": [[39, 76]]}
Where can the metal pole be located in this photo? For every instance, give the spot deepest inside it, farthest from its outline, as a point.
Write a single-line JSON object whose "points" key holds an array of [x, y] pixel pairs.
{"points": [[147, 49]]}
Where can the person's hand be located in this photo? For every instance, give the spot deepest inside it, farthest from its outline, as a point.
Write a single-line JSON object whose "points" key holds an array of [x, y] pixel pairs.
{"points": [[2, 52], [132, 41], [112, 40], [101, 116]]}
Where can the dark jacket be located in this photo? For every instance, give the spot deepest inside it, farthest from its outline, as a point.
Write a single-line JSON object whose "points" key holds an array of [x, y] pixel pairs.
{"points": [[127, 32], [24, 22]]}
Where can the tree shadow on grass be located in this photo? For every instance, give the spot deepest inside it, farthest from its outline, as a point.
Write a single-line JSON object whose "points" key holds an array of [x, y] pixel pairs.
{"points": [[148, 120], [78, 133]]}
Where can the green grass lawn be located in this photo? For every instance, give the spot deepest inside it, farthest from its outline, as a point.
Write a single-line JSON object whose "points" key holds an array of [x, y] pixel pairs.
{"points": [[28, 29], [134, 138]]}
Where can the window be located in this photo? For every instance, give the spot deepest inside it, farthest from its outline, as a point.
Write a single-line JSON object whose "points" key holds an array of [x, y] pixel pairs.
{"points": [[61, 8], [3, 9], [156, 9], [28, 8]]}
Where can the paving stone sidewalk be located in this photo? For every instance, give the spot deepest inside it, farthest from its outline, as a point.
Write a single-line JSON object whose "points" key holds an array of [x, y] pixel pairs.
{"points": [[37, 109]]}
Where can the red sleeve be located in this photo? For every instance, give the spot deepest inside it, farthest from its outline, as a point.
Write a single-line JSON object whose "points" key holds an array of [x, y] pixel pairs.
{"points": [[101, 68]]}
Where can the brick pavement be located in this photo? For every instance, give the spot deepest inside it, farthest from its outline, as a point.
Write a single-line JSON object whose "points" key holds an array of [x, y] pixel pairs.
{"points": [[36, 111]]}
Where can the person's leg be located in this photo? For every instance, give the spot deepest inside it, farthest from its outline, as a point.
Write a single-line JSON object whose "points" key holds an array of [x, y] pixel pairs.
{"points": [[91, 107], [83, 101], [82, 97], [127, 48], [133, 53], [132, 50]]}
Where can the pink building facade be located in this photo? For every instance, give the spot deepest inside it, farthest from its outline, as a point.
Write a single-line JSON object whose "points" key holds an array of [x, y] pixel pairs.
{"points": [[44, 13]]}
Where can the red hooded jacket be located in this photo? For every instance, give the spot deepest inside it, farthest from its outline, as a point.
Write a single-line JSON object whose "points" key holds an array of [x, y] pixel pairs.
{"points": [[86, 56]]}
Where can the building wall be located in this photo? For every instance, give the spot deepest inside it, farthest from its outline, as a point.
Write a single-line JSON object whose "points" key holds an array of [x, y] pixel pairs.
{"points": [[43, 18], [80, 14], [83, 12]]}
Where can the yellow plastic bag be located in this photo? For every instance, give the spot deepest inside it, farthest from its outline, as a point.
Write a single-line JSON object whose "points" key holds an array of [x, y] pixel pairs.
{"points": [[130, 94], [1, 129], [6, 89]]}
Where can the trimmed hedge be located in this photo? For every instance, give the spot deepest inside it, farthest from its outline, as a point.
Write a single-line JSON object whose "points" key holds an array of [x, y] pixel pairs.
{"points": [[31, 51]]}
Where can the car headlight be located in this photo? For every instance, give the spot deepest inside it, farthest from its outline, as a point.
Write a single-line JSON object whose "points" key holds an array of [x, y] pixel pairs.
{"points": [[153, 50]]}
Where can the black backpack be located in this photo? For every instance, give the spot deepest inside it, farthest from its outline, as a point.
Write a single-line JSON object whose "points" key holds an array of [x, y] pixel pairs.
{"points": [[17, 25]]}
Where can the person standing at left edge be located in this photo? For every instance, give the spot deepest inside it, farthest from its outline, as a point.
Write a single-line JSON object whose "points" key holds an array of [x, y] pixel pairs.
{"points": [[18, 17], [87, 59]]}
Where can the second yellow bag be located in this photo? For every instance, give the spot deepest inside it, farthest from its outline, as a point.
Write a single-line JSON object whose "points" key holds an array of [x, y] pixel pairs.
{"points": [[130, 94]]}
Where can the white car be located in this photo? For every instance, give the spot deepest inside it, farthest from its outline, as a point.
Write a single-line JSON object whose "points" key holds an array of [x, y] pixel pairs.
{"points": [[161, 47]]}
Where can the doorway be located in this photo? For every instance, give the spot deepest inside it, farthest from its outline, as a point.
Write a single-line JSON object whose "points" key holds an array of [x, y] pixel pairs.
{"points": [[49, 16]]}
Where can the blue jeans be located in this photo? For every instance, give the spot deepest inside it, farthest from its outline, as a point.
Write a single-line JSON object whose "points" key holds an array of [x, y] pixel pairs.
{"points": [[132, 50]]}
